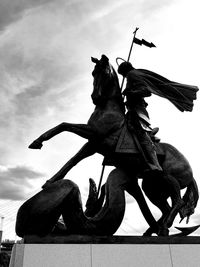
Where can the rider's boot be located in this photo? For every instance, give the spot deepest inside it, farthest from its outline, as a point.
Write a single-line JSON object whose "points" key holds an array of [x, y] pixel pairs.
{"points": [[153, 136], [153, 162]]}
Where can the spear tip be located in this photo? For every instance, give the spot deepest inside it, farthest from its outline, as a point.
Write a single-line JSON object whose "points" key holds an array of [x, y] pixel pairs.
{"points": [[136, 29]]}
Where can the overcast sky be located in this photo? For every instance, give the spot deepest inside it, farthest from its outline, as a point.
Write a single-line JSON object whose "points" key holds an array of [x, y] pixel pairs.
{"points": [[45, 78]]}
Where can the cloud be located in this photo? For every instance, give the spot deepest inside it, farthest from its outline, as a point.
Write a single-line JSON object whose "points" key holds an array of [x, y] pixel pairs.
{"points": [[16, 182], [39, 74], [11, 11], [47, 48]]}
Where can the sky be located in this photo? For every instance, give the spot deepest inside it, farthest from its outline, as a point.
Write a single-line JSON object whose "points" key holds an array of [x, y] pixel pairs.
{"points": [[45, 79]]}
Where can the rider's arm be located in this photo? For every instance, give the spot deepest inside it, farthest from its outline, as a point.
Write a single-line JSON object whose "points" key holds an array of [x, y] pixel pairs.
{"points": [[136, 87], [142, 92]]}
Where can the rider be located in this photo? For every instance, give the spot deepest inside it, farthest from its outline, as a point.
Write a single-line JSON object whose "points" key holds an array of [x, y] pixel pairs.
{"points": [[138, 117], [140, 84]]}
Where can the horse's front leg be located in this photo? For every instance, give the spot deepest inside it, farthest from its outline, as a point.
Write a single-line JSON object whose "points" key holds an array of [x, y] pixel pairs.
{"points": [[82, 130], [87, 150]]}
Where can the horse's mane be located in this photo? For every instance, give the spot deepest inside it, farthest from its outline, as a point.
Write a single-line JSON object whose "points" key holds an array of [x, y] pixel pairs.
{"points": [[120, 98]]}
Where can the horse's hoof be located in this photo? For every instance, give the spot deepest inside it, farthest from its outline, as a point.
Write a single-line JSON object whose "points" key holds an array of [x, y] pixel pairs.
{"points": [[163, 232], [35, 145], [150, 231], [147, 233]]}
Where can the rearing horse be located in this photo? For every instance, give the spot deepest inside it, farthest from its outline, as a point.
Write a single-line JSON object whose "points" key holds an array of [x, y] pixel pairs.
{"points": [[103, 130]]}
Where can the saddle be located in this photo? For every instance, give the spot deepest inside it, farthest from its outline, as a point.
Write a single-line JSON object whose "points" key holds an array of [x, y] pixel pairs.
{"points": [[128, 145], [128, 142]]}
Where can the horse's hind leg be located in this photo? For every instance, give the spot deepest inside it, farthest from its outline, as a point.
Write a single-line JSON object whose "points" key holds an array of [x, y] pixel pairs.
{"points": [[161, 230], [159, 199], [177, 202], [158, 190], [134, 190], [82, 130]]}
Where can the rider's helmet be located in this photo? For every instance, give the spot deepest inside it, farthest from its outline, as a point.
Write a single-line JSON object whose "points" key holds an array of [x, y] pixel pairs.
{"points": [[124, 68]]}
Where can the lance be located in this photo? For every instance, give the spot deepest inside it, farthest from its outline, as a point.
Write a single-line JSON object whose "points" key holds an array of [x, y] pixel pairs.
{"points": [[129, 55], [131, 48], [130, 51], [100, 180]]}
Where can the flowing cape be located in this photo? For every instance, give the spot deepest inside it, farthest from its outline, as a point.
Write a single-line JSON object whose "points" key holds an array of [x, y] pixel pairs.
{"points": [[181, 95]]}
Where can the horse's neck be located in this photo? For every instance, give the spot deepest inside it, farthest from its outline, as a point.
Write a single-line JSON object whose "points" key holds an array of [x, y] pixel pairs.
{"points": [[106, 118], [114, 105], [116, 99]]}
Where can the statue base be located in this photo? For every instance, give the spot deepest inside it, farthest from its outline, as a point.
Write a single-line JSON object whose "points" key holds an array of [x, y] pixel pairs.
{"points": [[93, 251]]}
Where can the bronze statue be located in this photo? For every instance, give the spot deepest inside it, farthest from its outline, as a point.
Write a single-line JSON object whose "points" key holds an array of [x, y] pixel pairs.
{"points": [[108, 135]]}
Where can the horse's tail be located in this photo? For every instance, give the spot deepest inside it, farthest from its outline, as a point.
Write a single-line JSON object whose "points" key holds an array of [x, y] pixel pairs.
{"points": [[190, 198]]}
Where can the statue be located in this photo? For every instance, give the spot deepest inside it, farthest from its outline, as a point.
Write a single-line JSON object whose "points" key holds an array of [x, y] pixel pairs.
{"points": [[108, 134]]}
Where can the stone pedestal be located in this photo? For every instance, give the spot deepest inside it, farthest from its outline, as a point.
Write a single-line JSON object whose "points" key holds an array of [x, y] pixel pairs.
{"points": [[106, 252]]}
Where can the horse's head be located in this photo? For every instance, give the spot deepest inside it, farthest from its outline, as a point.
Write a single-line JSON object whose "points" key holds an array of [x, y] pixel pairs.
{"points": [[105, 83]]}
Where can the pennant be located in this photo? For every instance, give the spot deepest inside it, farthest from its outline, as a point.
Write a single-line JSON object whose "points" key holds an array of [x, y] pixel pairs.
{"points": [[143, 42]]}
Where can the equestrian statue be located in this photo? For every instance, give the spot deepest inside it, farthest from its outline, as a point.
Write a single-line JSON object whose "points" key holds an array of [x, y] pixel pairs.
{"points": [[120, 130]]}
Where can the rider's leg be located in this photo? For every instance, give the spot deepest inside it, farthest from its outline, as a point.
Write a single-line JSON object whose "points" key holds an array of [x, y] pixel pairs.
{"points": [[149, 151], [145, 142]]}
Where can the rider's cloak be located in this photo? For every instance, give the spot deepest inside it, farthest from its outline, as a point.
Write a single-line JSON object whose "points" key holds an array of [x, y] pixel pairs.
{"points": [[181, 95]]}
